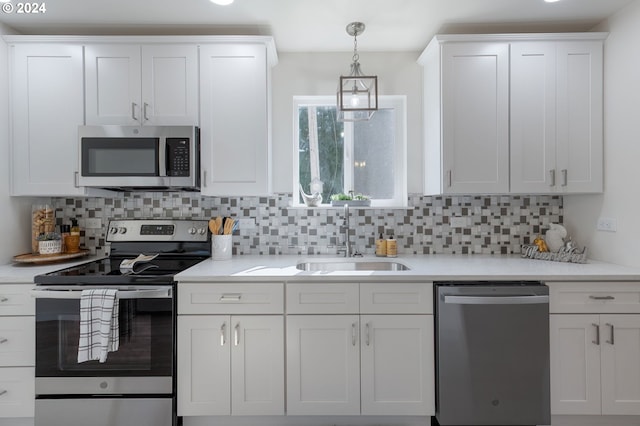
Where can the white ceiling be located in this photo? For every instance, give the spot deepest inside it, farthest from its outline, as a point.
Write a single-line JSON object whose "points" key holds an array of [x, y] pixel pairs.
{"points": [[315, 25]]}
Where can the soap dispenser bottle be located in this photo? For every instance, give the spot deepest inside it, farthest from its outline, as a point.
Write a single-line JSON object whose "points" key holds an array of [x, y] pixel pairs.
{"points": [[381, 246]]}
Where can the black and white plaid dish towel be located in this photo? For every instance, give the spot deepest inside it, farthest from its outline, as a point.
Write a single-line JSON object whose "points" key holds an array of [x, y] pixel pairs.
{"points": [[98, 324]]}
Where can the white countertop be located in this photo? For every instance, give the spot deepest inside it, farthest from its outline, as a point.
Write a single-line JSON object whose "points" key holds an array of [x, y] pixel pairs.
{"points": [[423, 268], [20, 273]]}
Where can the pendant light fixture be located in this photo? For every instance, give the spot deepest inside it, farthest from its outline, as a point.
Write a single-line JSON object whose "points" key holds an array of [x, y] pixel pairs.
{"points": [[357, 93]]}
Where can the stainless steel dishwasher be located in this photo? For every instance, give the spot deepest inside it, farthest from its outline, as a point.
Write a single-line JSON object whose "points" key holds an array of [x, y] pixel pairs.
{"points": [[492, 353]]}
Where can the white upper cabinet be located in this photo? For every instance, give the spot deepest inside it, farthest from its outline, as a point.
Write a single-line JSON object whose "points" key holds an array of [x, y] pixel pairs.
{"points": [[142, 85], [47, 108], [556, 117], [513, 113], [466, 103], [235, 125]]}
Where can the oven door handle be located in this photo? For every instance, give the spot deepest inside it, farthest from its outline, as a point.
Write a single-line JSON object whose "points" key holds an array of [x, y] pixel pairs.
{"points": [[63, 292]]}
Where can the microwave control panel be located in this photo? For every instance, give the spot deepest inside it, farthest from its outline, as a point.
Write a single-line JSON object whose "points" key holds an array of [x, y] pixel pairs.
{"points": [[178, 157]]}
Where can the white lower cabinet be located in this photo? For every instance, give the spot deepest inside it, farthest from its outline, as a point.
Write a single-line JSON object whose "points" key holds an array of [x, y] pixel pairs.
{"points": [[323, 365], [230, 365], [355, 363], [595, 348], [595, 364]]}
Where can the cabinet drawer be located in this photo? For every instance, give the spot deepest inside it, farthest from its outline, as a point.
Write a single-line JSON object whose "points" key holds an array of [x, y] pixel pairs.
{"points": [[17, 392], [17, 341], [325, 298], [594, 297], [240, 298], [396, 298], [15, 299]]}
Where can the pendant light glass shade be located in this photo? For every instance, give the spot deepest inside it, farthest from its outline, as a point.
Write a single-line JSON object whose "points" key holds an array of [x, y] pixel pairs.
{"points": [[357, 96]]}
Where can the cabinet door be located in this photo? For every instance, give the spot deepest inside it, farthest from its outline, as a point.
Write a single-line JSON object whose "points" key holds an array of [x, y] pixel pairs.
{"points": [[620, 364], [323, 365], [113, 84], [17, 341], [533, 117], [575, 364], [204, 356], [475, 104], [47, 108], [397, 365], [257, 365], [170, 85], [17, 390], [235, 139], [579, 124]]}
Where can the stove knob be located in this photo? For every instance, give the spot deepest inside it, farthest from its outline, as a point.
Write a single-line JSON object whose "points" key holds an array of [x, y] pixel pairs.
{"points": [[123, 230], [113, 230], [192, 231], [202, 231]]}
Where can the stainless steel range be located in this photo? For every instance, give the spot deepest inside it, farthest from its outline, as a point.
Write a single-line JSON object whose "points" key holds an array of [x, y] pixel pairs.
{"points": [[135, 385]]}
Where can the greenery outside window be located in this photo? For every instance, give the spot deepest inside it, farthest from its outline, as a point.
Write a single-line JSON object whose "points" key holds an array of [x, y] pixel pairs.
{"points": [[366, 157]]}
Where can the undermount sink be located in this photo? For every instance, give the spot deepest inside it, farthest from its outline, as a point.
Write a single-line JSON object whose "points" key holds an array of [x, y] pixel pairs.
{"points": [[351, 265]]}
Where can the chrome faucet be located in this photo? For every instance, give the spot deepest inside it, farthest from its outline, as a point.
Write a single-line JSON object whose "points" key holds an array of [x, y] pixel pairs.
{"points": [[347, 249]]}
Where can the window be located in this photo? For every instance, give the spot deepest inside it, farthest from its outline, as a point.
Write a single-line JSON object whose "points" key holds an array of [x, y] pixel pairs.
{"points": [[367, 157]]}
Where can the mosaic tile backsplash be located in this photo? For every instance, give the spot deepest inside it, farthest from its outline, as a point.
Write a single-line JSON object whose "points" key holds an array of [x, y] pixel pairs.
{"points": [[430, 225]]}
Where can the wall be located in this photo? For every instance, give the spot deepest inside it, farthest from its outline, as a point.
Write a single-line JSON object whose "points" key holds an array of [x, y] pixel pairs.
{"points": [[306, 74], [15, 212], [621, 149]]}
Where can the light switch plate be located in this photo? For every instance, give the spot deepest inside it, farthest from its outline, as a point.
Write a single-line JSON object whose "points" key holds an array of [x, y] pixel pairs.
{"points": [[607, 224]]}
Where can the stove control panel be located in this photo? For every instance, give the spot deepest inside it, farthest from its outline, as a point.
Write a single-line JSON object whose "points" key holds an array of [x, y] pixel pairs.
{"points": [[157, 230]]}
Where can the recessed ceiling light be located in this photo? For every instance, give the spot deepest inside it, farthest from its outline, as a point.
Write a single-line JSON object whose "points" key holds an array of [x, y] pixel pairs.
{"points": [[550, 1], [222, 2]]}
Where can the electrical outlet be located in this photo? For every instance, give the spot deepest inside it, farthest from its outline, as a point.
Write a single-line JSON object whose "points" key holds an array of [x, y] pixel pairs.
{"points": [[247, 224], [93, 223], [607, 224]]}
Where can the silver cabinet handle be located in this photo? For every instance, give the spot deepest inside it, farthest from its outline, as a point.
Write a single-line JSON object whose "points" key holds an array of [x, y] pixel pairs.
{"points": [[223, 332], [3, 340], [564, 177], [230, 297], [552, 174], [76, 180], [612, 341], [3, 391], [133, 111], [368, 334], [602, 297], [597, 341], [144, 111], [3, 299], [236, 334], [204, 178], [353, 334], [449, 179]]}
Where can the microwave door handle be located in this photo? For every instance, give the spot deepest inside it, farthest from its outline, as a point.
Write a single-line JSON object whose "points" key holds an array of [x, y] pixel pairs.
{"points": [[67, 293], [162, 157]]}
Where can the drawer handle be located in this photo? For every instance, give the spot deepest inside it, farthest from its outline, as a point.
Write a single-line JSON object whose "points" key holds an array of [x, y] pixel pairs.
{"points": [[612, 341], [3, 299], [223, 332], [3, 340], [230, 297], [602, 297], [3, 391], [597, 341]]}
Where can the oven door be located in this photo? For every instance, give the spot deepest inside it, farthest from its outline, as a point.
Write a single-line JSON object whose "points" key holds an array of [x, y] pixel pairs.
{"points": [[143, 363]]}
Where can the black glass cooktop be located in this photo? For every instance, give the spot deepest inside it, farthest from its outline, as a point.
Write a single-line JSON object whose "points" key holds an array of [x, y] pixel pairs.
{"points": [[107, 271]]}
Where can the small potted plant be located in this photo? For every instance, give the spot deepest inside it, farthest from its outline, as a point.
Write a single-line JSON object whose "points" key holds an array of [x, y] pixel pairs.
{"points": [[49, 243], [354, 200]]}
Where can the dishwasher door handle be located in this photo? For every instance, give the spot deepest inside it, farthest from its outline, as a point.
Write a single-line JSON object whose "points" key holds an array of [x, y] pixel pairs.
{"points": [[496, 300]]}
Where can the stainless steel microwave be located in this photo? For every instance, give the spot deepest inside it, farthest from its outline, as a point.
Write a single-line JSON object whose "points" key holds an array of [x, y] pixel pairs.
{"points": [[139, 157]]}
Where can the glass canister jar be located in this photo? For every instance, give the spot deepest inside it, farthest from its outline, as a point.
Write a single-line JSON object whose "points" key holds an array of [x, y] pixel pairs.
{"points": [[43, 221]]}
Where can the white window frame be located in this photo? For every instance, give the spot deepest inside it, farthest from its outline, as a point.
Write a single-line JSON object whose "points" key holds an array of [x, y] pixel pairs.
{"points": [[399, 105]]}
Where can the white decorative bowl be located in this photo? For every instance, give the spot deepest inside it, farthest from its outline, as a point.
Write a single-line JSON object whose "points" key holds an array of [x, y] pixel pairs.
{"points": [[50, 247]]}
